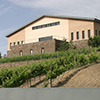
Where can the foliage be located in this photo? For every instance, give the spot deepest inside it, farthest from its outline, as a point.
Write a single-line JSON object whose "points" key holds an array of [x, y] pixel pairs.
{"points": [[98, 49], [64, 45], [93, 57], [94, 42]]}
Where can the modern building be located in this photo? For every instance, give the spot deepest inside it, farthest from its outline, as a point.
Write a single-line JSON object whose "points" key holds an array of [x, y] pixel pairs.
{"points": [[43, 34]]}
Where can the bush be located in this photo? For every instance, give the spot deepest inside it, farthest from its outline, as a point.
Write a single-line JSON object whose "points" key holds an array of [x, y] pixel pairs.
{"points": [[81, 59], [93, 57]]}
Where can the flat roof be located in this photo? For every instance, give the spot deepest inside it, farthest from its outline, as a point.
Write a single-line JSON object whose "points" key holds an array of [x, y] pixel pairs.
{"points": [[54, 16]]}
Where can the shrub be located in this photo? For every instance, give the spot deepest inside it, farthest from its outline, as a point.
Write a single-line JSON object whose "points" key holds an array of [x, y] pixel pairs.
{"points": [[93, 57]]}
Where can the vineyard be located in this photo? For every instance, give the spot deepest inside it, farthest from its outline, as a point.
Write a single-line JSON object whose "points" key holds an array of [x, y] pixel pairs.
{"points": [[58, 63]]}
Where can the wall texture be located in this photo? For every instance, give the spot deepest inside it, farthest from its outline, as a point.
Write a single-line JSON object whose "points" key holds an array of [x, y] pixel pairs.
{"points": [[49, 47]]}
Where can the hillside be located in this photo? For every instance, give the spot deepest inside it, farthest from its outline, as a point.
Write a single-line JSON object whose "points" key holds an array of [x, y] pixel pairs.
{"points": [[87, 76]]}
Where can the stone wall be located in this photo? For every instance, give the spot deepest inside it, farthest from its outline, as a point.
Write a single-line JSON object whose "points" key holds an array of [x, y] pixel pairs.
{"points": [[49, 47], [81, 44]]}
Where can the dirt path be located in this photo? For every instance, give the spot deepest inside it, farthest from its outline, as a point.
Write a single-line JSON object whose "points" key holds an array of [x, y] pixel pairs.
{"points": [[87, 76]]}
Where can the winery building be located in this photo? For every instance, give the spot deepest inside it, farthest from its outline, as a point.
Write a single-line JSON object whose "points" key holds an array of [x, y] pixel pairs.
{"points": [[43, 34]]}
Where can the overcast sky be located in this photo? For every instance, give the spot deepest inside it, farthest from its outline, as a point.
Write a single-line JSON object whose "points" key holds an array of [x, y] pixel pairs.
{"points": [[16, 13]]}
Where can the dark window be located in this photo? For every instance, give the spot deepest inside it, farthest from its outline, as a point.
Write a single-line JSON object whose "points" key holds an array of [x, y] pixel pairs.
{"points": [[83, 34], [14, 43], [77, 36], [18, 42], [46, 25], [99, 32], [22, 42], [42, 50], [96, 32], [21, 53], [31, 51], [72, 36], [46, 38], [89, 33], [10, 45]]}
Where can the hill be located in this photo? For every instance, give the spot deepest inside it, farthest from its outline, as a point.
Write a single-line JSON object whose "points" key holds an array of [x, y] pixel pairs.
{"points": [[87, 76]]}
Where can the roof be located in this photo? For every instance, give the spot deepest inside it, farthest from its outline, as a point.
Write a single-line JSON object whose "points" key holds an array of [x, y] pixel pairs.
{"points": [[54, 16]]}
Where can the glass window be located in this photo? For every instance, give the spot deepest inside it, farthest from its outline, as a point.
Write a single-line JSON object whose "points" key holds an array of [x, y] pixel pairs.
{"points": [[42, 50], [10, 45], [83, 34], [77, 36], [18, 42], [14, 43], [22, 42], [99, 32], [96, 32], [89, 33], [46, 38], [72, 36]]}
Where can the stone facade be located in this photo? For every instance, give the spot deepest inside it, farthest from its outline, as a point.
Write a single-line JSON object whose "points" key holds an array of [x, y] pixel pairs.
{"points": [[49, 46]]}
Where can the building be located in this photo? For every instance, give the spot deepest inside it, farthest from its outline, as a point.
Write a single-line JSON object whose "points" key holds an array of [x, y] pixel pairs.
{"points": [[43, 34]]}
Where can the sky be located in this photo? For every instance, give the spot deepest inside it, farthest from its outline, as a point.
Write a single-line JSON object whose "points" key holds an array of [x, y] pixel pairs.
{"points": [[16, 13]]}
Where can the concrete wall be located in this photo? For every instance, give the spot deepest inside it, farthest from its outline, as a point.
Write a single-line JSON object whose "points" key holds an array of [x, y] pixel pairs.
{"points": [[19, 36], [79, 26], [97, 27], [57, 31]]}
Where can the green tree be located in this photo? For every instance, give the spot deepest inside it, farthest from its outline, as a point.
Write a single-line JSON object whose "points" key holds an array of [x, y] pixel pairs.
{"points": [[94, 42], [64, 45]]}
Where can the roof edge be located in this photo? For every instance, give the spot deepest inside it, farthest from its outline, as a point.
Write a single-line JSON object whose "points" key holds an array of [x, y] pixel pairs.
{"points": [[54, 16]]}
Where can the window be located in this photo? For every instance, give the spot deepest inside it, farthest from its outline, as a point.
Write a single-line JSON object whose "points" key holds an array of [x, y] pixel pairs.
{"points": [[18, 42], [22, 42], [42, 50], [89, 33], [14, 43], [72, 36], [31, 52], [21, 53], [46, 38], [45, 25], [83, 34], [10, 45], [77, 36], [96, 32], [99, 32]]}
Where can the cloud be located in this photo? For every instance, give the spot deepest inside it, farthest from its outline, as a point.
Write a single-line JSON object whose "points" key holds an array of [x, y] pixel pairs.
{"points": [[66, 7], [4, 8]]}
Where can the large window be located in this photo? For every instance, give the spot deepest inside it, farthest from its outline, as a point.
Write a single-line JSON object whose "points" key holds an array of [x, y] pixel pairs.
{"points": [[83, 34], [89, 33], [72, 36], [46, 38], [77, 35], [45, 25]]}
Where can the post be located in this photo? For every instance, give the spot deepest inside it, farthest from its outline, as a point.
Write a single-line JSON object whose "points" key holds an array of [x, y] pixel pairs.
{"points": [[51, 75]]}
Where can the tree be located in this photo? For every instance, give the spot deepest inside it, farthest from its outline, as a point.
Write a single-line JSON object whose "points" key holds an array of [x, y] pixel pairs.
{"points": [[64, 45], [94, 42]]}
